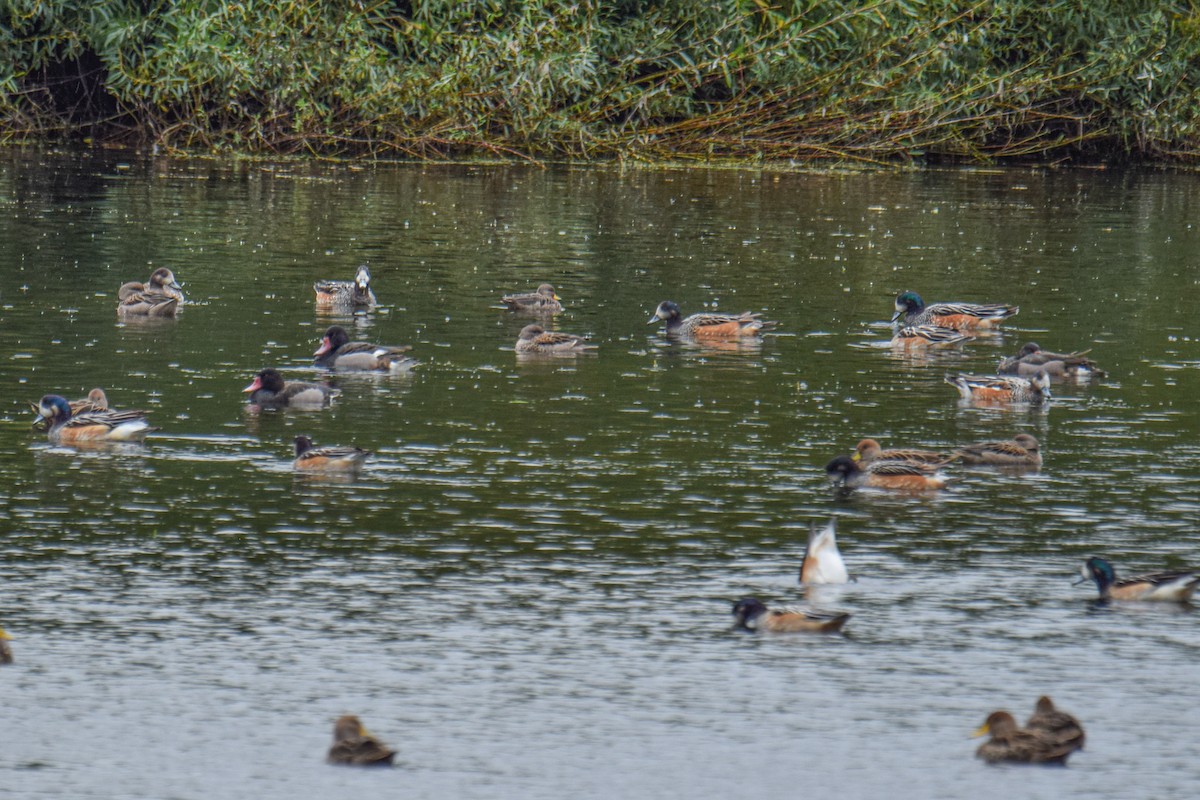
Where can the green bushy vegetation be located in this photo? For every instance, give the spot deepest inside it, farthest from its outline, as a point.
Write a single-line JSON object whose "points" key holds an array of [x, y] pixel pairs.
{"points": [[643, 79]]}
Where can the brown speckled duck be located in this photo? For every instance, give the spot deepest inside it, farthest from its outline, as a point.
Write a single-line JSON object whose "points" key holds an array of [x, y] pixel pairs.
{"points": [[268, 389], [346, 295], [160, 296], [536, 339], [1059, 725], [868, 451], [1032, 359], [341, 459], [544, 301], [354, 745], [338, 352], [1022, 451]]}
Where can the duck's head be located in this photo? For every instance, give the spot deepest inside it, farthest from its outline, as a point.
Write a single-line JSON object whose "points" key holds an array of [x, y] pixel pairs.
{"points": [[334, 338], [1041, 382], [1044, 705], [866, 450], [667, 310], [546, 290], [303, 445], [841, 468], [164, 279], [746, 610], [362, 278], [53, 408], [530, 332], [348, 727], [98, 399], [907, 303], [268, 379], [1027, 441], [1098, 570], [998, 724], [1028, 349]]}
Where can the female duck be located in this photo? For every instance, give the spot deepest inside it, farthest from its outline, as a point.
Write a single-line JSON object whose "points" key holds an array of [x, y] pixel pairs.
{"points": [[960, 316], [338, 352], [1032, 359], [160, 296], [347, 294], [823, 562], [544, 301], [354, 745], [1022, 451], [708, 326], [924, 336], [1022, 746], [868, 451], [270, 390], [1058, 725], [536, 339], [898, 475], [344, 459], [90, 426], [1171, 587], [1002, 388]]}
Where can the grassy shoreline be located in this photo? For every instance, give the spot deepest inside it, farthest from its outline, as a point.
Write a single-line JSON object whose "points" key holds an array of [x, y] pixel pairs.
{"points": [[678, 80]]}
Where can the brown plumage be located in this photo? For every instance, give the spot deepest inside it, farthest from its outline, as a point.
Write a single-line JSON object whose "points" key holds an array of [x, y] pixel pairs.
{"points": [[896, 475], [344, 459], [1011, 743], [269, 389], [1002, 388], [868, 451], [160, 296], [536, 339], [1032, 359], [1022, 451], [1059, 725], [6, 656], [544, 301], [353, 744], [708, 326], [751, 614]]}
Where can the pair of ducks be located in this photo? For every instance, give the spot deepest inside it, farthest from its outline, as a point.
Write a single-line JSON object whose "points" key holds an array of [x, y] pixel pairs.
{"points": [[1049, 736], [89, 420], [1025, 377], [918, 470], [703, 327]]}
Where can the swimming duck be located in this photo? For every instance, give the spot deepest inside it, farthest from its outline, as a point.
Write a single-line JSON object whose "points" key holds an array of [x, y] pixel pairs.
{"points": [[338, 352], [160, 296], [702, 326], [919, 336], [1172, 587], [536, 339], [1002, 388], [902, 475], [353, 744], [1011, 743], [92, 426], [327, 458], [544, 301], [960, 316], [1032, 359], [751, 614], [1060, 726], [346, 294], [5, 650], [95, 401], [822, 560], [269, 389], [868, 451], [1022, 451]]}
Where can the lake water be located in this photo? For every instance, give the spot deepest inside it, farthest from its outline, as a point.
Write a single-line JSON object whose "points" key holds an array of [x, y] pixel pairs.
{"points": [[527, 591]]}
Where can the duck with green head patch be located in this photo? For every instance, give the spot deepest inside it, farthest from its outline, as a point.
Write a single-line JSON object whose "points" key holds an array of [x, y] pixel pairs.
{"points": [[1171, 587], [960, 316], [91, 426]]}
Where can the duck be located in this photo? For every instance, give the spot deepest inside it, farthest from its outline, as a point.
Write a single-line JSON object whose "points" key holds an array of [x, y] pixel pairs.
{"points": [[1032, 359], [347, 294], [704, 326], [923, 336], [1002, 388], [1059, 725], [868, 451], [823, 562], [1172, 587], [160, 296], [960, 316], [750, 613], [309, 457], [543, 301], [338, 352], [269, 389], [354, 745], [6, 656], [96, 400], [1012, 743], [536, 339], [91, 426], [901, 475], [1022, 450]]}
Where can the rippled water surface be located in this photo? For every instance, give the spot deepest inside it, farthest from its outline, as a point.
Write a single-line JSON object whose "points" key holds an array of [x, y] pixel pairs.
{"points": [[527, 591]]}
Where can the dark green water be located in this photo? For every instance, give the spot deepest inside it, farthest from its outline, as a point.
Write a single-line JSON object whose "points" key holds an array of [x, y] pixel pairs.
{"points": [[527, 592]]}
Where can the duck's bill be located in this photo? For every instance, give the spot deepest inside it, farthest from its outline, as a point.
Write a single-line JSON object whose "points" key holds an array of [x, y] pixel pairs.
{"points": [[254, 386], [982, 730], [897, 315]]}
